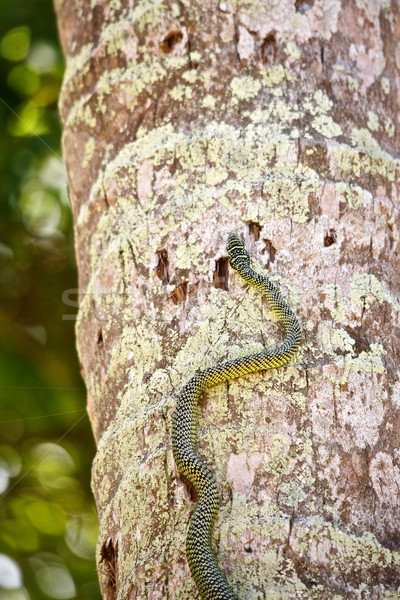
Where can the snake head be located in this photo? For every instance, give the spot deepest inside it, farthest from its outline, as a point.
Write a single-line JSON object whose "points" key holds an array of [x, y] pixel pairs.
{"points": [[237, 253]]}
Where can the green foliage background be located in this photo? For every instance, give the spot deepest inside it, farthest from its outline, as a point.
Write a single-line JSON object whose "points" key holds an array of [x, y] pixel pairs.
{"points": [[48, 521]]}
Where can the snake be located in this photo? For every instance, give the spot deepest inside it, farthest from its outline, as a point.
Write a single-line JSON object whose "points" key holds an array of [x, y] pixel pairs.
{"points": [[208, 577]]}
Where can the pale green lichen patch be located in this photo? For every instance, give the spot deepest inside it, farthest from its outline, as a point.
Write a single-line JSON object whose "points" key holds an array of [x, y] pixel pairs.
{"points": [[319, 102], [209, 102], [215, 176], [353, 84], [320, 105], [298, 400], [372, 121], [187, 254], [113, 36], [309, 325], [368, 157], [291, 494], [327, 126], [180, 93], [385, 83], [335, 302], [365, 288], [272, 78], [245, 87], [358, 552], [76, 63], [135, 79], [90, 148], [279, 462], [143, 13], [139, 347], [367, 143], [370, 362], [389, 127], [334, 340], [353, 195], [285, 191], [291, 49], [81, 112], [191, 76], [283, 113]]}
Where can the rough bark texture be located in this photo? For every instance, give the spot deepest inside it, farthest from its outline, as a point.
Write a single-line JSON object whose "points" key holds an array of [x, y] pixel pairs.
{"points": [[185, 120]]}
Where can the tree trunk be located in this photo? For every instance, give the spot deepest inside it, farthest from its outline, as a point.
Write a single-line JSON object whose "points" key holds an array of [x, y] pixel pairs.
{"points": [[184, 121]]}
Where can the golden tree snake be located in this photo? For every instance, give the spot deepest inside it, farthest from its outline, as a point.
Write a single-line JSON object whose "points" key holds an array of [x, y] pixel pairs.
{"points": [[209, 579]]}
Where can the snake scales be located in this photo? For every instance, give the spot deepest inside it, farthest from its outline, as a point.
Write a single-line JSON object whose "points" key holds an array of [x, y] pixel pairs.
{"points": [[209, 580]]}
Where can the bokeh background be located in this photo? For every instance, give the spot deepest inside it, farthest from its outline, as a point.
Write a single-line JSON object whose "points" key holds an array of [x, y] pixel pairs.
{"points": [[48, 523]]}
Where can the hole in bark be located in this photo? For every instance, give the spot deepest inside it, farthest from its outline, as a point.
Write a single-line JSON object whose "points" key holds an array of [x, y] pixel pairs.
{"points": [[303, 6], [330, 237], [170, 41], [109, 557], [162, 266], [221, 273], [269, 49], [254, 229], [100, 337], [270, 248], [180, 293], [193, 287]]}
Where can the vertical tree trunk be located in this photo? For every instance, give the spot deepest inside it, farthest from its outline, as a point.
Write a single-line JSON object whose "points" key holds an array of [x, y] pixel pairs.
{"points": [[184, 121]]}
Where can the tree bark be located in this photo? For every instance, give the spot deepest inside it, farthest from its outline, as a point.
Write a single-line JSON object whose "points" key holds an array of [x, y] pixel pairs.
{"points": [[184, 121]]}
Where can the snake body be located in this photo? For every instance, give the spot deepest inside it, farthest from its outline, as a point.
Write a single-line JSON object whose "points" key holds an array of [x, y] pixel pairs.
{"points": [[210, 582]]}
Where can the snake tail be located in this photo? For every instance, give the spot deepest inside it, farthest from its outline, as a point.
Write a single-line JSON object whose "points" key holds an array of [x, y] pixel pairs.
{"points": [[208, 577]]}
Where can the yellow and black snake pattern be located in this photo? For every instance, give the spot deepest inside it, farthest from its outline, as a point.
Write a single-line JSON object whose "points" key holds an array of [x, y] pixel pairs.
{"points": [[210, 582]]}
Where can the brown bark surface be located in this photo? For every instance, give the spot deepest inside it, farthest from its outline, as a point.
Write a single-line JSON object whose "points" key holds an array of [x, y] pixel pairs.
{"points": [[184, 121]]}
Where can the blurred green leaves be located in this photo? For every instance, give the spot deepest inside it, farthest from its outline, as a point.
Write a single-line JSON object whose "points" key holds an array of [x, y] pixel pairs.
{"points": [[48, 521], [15, 43], [24, 80]]}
